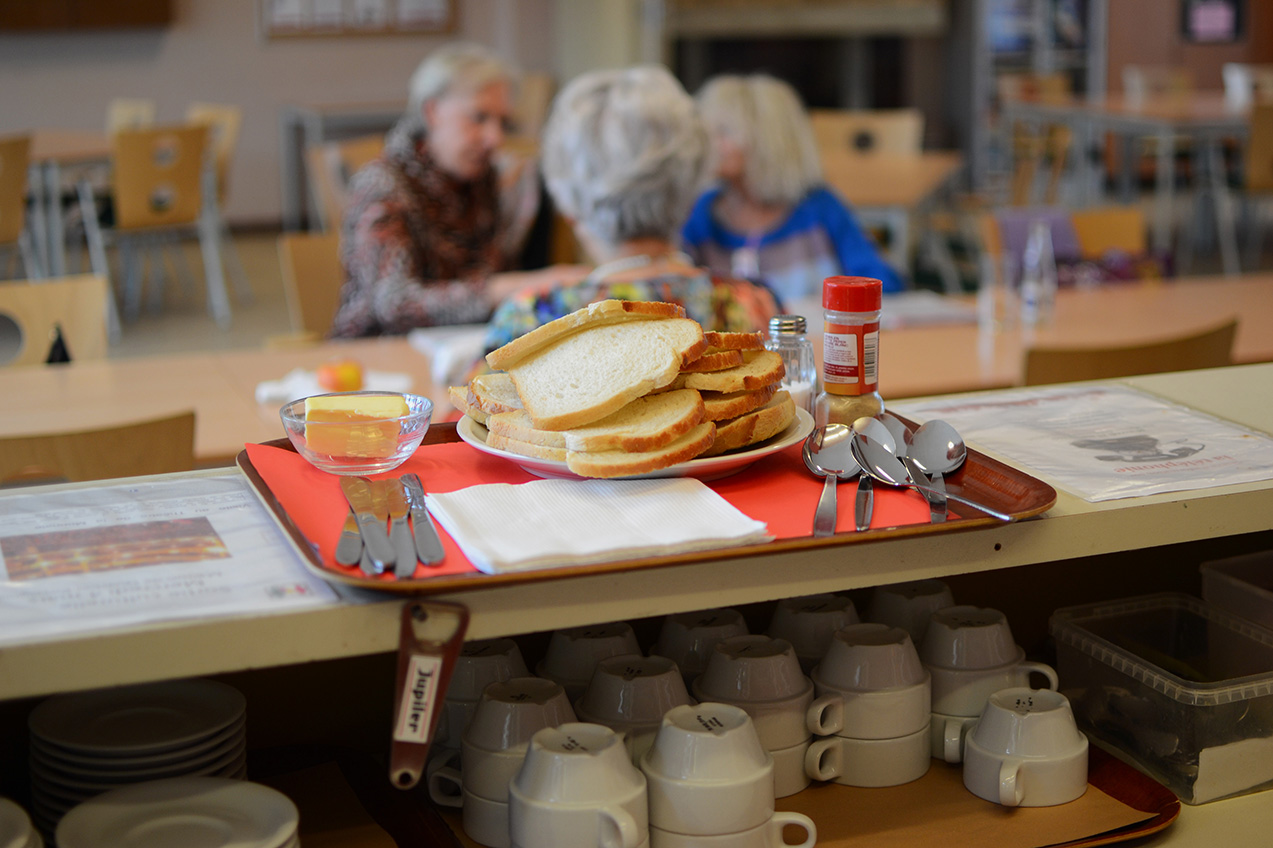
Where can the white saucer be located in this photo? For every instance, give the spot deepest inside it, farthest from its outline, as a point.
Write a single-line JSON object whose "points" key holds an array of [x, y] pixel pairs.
{"points": [[16, 830], [182, 812], [80, 763], [50, 774]]}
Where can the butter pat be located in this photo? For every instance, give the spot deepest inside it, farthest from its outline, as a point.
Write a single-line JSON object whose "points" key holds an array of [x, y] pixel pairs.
{"points": [[354, 425]]}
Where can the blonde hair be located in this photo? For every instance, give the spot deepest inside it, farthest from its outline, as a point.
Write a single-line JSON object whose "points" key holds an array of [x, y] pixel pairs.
{"points": [[765, 117], [460, 65]]}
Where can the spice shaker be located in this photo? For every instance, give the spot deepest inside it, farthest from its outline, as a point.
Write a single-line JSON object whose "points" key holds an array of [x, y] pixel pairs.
{"points": [[787, 339]]}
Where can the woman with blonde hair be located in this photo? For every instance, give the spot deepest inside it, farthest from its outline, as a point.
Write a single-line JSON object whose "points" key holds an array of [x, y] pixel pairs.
{"points": [[770, 217]]}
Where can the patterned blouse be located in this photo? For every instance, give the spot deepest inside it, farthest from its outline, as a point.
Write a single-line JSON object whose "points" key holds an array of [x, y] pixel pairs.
{"points": [[417, 244]]}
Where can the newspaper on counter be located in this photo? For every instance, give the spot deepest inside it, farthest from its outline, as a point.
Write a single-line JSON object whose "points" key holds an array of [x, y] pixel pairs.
{"points": [[76, 559], [1106, 442]]}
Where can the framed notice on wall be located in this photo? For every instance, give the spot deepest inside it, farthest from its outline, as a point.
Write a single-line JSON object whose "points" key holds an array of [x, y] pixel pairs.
{"points": [[1212, 21], [308, 18]]}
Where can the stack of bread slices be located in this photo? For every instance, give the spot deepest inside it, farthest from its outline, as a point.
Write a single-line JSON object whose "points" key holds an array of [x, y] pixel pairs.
{"points": [[621, 388]]}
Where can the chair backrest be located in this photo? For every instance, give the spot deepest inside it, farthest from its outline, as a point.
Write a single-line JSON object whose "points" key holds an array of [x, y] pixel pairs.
{"points": [[1100, 230], [31, 313], [534, 97], [868, 130], [155, 446], [312, 278], [14, 157], [224, 122], [1208, 348], [157, 175], [1259, 149], [129, 113], [331, 165]]}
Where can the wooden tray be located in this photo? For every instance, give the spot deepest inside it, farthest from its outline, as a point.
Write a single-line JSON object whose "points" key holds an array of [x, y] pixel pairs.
{"points": [[980, 478]]}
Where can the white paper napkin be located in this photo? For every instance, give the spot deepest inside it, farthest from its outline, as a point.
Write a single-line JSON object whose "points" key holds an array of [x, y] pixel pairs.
{"points": [[299, 383], [548, 523]]}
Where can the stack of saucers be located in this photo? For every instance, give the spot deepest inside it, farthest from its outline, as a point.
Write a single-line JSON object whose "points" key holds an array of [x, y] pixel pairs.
{"points": [[16, 830], [181, 812], [88, 743]]}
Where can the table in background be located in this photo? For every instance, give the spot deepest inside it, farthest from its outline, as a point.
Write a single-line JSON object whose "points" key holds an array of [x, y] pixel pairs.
{"points": [[51, 151]]}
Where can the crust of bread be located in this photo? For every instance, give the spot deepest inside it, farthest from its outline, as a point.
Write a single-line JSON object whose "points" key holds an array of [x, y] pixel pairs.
{"points": [[459, 397], [755, 426], [714, 360], [494, 392], [734, 341], [647, 423], [518, 446], [721, 406], [594, 314], [759, 368], [629, 463]]}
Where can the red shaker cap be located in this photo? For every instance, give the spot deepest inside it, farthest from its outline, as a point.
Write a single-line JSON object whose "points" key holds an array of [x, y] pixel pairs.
{"points": [[852, 294]]}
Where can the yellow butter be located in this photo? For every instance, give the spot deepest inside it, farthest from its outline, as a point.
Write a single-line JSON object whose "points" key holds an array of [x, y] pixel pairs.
{"points": [[355, 426]]}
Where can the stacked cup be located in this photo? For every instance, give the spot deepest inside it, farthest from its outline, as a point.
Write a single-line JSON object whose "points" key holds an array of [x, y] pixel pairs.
{"points": [[909, 606], [629, 694], [1026, 751], [711, 785], [492, 750], [970, 653], [688, 638], [573, 654], [873, 694], [577, 786], [480, 663], [810, 622], [762, 675]]}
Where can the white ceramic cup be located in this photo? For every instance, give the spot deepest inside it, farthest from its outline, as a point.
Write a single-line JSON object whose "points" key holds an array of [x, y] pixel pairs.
{"points": [[870, 685], [810, 622], [688, 638], [789, 774], [577, 786], [965, 691], [1026, 751], [869, 762], [630, 694], [948, 734], [485, 821], [572, 654], [767, 835], [909, 605], [707, 773], [491, 752], [480, 663], [762, 675]]}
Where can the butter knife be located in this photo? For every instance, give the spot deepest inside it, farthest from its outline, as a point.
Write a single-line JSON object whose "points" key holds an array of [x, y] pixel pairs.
{"points": [[349, 548], [399, 531], [934, 490], [864, 504], [427, 544], [371, 521]]}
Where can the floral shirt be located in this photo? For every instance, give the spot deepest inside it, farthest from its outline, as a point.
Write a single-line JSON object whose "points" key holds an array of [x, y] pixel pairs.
{"points": [[417, 244]]}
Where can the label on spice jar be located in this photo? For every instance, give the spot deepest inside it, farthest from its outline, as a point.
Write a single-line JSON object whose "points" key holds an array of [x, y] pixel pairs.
{"points": [[849, 359]]}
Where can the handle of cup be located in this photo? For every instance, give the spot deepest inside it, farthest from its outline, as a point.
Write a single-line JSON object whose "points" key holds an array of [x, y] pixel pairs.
{"points": [[440, 775], [1046, 670], [825, 716], [781, 819], [953, 740], [825, 758], [618, 829], [1010, 793]]}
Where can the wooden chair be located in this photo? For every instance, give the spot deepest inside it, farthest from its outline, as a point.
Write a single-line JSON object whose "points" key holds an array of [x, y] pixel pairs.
{"points": [[1033, 148], [1209, 348], [1100, 230], [159, 182], [868, 130], [15, 154], [157, 446], [32, 312], [312, 278], [224, 122], [534, 97], [330, 167]]}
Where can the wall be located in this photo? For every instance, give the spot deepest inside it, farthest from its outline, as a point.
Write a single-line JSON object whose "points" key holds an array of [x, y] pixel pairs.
{"points": [[1147, 32], [212, 52]]}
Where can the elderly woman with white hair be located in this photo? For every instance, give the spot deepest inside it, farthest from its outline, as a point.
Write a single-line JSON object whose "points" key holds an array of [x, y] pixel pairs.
{"points": [[624, 155], [430, 224], [771, 217]]}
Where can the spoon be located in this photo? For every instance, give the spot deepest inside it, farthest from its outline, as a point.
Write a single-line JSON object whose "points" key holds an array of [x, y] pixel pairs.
{"points": [[828, 453], [879, 430], [879, 462], [937, 447], [902, 434]]}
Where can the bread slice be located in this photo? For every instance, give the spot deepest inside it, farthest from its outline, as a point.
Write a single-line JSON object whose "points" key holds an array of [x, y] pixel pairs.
{"points": [[629, 463], [721, 406], [734, 341], [759, 368], [715, 360], [755, 426], [494, 393], [592, 315], [585, 376], [459, 397], [647, 423], [524, 448]]}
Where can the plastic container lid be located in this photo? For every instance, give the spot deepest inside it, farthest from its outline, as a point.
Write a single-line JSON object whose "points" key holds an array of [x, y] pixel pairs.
{"points": [[852, 294]]}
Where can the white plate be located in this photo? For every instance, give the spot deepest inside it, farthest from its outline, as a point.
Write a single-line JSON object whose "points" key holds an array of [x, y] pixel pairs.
{"points": [[52, 776], [706, 468], [138, 720], [205, 811], [79, 763]]}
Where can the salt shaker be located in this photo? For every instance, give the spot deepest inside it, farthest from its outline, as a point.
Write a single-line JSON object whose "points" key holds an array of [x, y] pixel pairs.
{"points": [[787, 339]]}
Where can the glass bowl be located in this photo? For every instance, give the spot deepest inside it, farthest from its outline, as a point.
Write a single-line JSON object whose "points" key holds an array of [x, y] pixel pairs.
{"points": [[369, 446]]}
